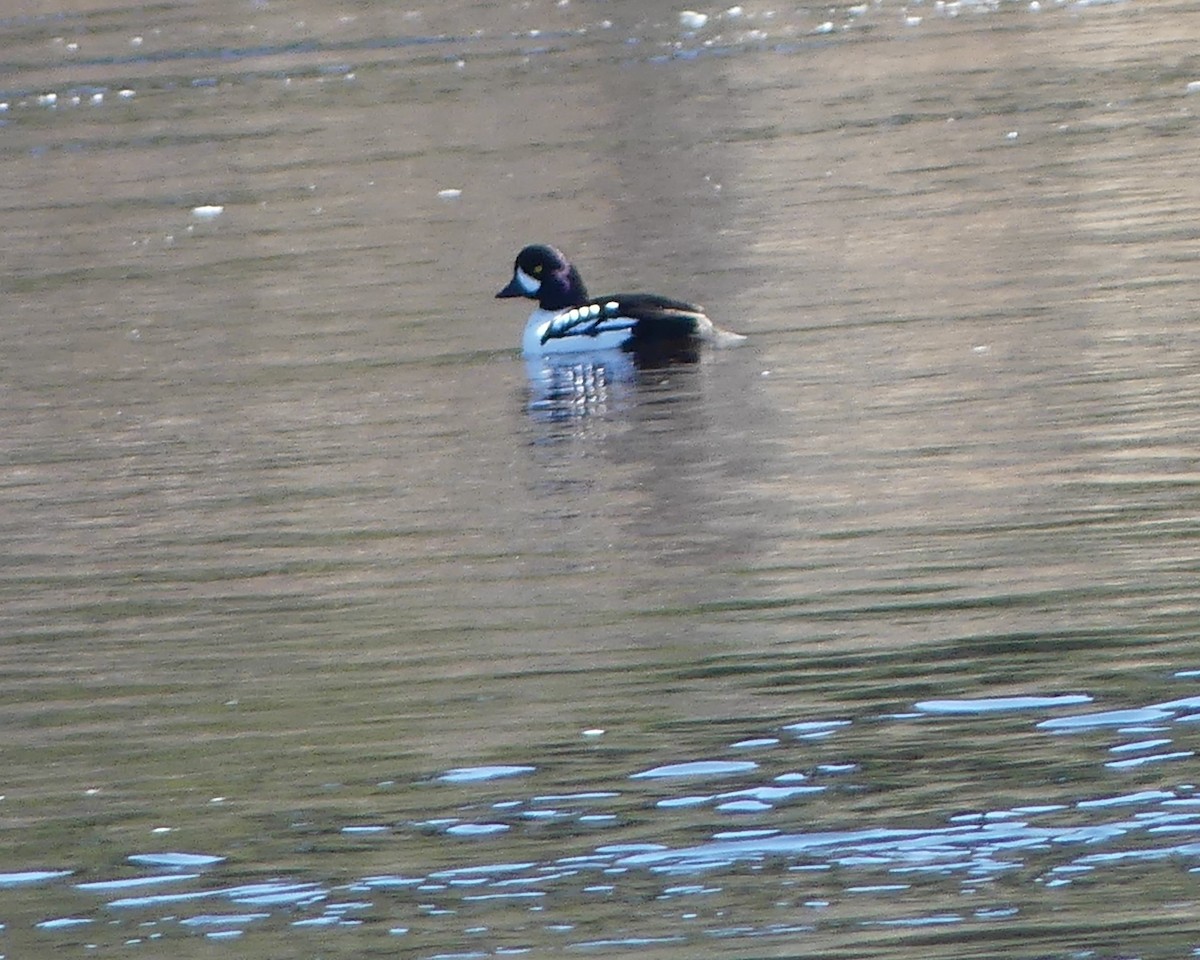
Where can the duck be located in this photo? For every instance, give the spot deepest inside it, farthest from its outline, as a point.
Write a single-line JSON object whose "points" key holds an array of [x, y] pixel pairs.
{"points": [[567, 320]]}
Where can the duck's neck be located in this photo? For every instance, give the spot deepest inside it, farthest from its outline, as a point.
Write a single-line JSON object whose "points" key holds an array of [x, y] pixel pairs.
{"points": [[562, 289]]}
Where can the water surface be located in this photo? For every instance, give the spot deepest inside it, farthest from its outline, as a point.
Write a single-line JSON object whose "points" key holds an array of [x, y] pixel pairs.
{"points": [[326, 629]]}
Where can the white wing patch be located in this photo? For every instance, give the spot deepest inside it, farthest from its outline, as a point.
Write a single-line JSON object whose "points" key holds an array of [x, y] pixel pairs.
{"points": [[590, 320]]}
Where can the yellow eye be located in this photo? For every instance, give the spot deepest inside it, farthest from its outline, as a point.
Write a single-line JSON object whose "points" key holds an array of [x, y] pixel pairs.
{"points": [[537, 271]]}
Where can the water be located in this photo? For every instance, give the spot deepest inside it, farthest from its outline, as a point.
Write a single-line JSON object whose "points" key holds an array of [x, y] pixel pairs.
{"points": [[329, 628]]}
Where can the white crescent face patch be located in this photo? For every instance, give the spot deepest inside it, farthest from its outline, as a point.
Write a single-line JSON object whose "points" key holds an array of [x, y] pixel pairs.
{"points": [[529, 284]]}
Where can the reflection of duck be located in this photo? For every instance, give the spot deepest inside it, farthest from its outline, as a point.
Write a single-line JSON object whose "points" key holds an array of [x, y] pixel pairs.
{"points": [[567, 320], [569, 386]]}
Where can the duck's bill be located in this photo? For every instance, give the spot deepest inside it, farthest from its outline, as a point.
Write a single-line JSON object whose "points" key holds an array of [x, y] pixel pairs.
{"points": [[513, 289]]}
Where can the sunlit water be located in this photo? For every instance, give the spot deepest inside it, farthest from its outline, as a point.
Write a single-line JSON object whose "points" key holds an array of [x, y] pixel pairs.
{"points": [[331, 627]]}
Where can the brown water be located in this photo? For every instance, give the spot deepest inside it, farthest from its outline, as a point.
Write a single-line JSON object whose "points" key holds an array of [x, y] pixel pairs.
{"points": [[329, 629]]}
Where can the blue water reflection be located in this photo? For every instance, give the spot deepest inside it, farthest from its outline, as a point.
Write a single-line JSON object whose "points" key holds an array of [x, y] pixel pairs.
{"points": [[870, 871]]}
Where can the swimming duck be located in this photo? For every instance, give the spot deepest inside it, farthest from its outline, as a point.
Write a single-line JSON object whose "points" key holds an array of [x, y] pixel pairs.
{"points": [[566, 319]]}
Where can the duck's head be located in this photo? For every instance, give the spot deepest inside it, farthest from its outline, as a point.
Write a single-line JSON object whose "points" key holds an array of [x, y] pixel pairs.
{"points": [[543, 274]]}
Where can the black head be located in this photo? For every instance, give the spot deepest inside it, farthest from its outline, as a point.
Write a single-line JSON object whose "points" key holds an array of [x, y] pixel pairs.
{"points": [[543, 274]]}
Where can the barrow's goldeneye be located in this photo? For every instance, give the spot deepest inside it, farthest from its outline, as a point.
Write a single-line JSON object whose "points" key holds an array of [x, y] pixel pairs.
{"points": [[566, 319]]}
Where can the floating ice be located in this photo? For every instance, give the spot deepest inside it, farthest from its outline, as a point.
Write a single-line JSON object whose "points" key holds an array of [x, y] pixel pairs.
{"points": [[105, 886], [918, 921], [670, 802], [813, 729], [995, 704], [481, 871], [31, 876], [622, 849], [250, 893], [744, 806], [1152, 758], [879, 888], [697, 768], [1126, 799], [478, 774], [837, 768], [300, 895], [691, 20], [1108, 718], [477, 829], [745, 834], [63, 923], [174, 859], [450, 193], [769, 795], [1140, 745], [1186, 703], [207, 211], [222, 920], [626, 943], [388, 881]]}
